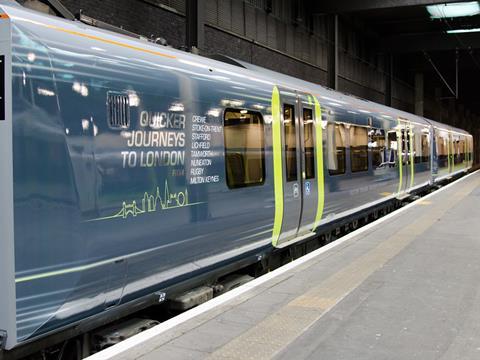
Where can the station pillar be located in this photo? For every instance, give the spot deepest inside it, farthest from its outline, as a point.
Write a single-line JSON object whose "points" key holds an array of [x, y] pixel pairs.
{"points": [[332, 54], [388, 76], [194, 22]]}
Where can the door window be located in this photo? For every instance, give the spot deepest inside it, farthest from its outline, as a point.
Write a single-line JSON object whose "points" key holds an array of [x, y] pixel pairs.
{"points": [[309, 143], [290, 142], [425, 147]]}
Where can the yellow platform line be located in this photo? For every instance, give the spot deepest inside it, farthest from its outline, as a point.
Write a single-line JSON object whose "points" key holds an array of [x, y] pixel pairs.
{"points": [[274, 333]]}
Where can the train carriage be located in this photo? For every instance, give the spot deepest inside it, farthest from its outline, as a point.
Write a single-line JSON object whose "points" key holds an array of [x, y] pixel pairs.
{"points": [[130, 168]]}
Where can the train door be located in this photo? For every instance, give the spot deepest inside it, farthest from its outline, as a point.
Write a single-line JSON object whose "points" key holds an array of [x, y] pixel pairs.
{"points": [[405, 155], [292, 165], [312, 180], [298, 165]]}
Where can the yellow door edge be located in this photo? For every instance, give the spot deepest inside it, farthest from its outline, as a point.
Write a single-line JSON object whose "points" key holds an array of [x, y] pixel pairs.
{"points": [[319, 157], [400, 157], [412, 158], [277, 165]]}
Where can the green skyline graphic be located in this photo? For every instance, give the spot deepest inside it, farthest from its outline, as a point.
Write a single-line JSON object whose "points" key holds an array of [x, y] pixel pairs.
{"points": [[152, 203]]}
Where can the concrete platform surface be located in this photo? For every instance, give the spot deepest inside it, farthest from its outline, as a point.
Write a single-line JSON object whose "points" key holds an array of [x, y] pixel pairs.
{"points": [[407, 288]]}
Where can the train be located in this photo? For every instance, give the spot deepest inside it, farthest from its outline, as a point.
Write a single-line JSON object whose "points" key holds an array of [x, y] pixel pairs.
{"points": [[128, 168]]}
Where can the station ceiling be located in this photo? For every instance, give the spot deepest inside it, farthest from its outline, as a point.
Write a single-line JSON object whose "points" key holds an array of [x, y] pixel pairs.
{"points": [[406, 29]]}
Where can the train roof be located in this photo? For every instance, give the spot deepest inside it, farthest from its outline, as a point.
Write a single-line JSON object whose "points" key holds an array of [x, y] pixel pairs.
{"points": [[235, 67], [378, 108]]}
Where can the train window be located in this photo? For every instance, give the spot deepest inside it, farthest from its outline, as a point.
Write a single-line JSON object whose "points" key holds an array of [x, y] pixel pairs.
{"points": [[461, 149], [392, 149], [336, 149], [467, 155], [309, 143], [417, 148], [118, 107], [467, 147], [290, 142], [244, 148], [470, 150], [442, 150], [358, 148], [457, 150], [376, 142], [405, 146], [467, 150], [425, 147]]}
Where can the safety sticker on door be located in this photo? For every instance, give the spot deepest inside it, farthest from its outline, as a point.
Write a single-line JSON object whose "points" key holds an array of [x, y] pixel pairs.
{"points": [[296, 192], [307, 188]]}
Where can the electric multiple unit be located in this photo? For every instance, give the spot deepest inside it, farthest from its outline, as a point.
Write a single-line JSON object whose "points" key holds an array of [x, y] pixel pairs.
{"points": [[127, 167]]}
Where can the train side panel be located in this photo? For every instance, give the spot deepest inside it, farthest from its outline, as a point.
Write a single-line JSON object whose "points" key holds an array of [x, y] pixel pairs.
{"points": [[48, 236], [360, 169], [113, 204]]}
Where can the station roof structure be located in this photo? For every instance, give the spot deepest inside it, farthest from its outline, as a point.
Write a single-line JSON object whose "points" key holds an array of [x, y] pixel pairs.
{"points": [[427, 35]]}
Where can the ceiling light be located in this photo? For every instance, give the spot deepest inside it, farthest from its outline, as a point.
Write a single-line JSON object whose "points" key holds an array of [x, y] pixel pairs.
{"points": [[459, 31], [454, 10]]}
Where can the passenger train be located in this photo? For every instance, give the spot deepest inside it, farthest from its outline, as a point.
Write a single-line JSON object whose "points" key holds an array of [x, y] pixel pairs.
{"points": [[129, 168]]}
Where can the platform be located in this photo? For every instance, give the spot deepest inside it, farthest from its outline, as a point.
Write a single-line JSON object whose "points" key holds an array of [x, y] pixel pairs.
{"points": [[405, 287]]}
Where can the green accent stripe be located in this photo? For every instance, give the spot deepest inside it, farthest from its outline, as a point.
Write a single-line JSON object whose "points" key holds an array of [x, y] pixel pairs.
{"points": [[277, 165], [412, 158], [319, 157], [66, 271], [399, 157], [85, 267]]}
